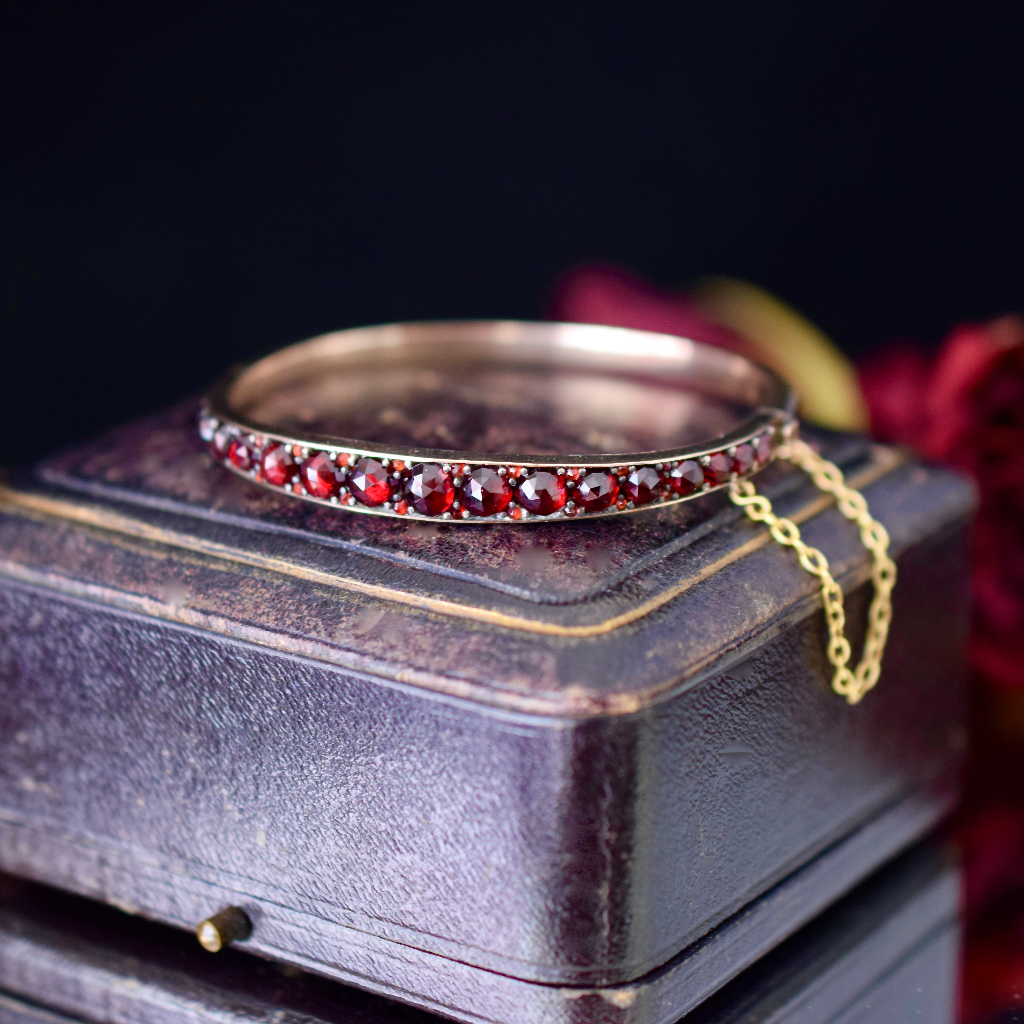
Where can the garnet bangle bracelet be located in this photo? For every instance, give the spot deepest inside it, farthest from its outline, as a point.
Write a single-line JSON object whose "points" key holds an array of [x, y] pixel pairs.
{"points": [[287, 421]]}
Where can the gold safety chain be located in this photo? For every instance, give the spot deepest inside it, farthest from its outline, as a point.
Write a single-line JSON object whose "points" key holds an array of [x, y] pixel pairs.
{"points": [[851, 684]]}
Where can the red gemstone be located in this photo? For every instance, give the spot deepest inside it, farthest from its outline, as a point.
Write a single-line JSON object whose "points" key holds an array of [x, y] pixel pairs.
{"points": [[320, 476], [485, 492], [220, 443], [368, 481], [596, 491], [643, 485], [542, 492], [242, 454], [718, 468], [743, 460], [763, 450], [278, 465], [687, 478], [430, 490]]}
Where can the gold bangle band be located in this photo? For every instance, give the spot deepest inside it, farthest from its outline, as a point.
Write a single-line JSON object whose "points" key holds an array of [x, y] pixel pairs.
{"points": [[255, 420]]}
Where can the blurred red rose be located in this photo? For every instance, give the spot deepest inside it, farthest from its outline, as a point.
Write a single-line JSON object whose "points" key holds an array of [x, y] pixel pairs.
{"points": [[603, 294], [965, 407], [731, 314]]}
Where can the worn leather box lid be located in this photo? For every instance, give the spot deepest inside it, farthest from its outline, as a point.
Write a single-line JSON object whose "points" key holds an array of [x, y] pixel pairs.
{"points": [[440, 761]]}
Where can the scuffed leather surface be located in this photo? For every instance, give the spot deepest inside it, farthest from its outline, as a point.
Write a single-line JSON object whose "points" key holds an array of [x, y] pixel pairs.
{"points": [[94, 963], [65, 954], [458, 788]]}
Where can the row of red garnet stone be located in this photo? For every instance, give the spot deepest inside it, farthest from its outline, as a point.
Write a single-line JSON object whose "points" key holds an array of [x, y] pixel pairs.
{"points": [[462, 491]]}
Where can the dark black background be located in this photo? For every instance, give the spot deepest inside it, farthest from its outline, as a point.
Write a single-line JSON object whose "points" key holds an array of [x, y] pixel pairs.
{"points": [[185, 187]]}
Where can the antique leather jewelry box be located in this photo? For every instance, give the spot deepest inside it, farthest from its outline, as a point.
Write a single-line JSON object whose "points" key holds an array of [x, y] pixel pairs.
{"points": [[886, 953], [578, 772]]}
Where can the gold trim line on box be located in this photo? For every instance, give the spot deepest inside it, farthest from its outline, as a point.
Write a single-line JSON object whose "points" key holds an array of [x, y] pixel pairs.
{"points": [[117, 523]]}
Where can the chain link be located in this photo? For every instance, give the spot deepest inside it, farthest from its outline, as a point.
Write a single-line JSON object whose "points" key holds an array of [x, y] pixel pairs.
{"points": [[849, 683]]}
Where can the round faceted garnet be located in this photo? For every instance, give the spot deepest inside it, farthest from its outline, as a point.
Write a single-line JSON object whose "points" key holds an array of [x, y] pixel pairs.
{"points": [[368, 481], [430, 490], [717, 469], [643, 485], [542, 492], [242, 454], [320, 476], [485, 492], [278, 465], [596, 491], [687, 477], [743, 460], [220, 443]]}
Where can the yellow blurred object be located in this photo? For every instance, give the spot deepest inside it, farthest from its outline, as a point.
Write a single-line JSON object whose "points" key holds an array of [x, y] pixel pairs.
{"points": [[790, 344]]}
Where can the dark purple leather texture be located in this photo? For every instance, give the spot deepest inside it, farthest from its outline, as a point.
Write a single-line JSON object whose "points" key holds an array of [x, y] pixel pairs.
{"points": [[886, 953], [562, 753]]}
